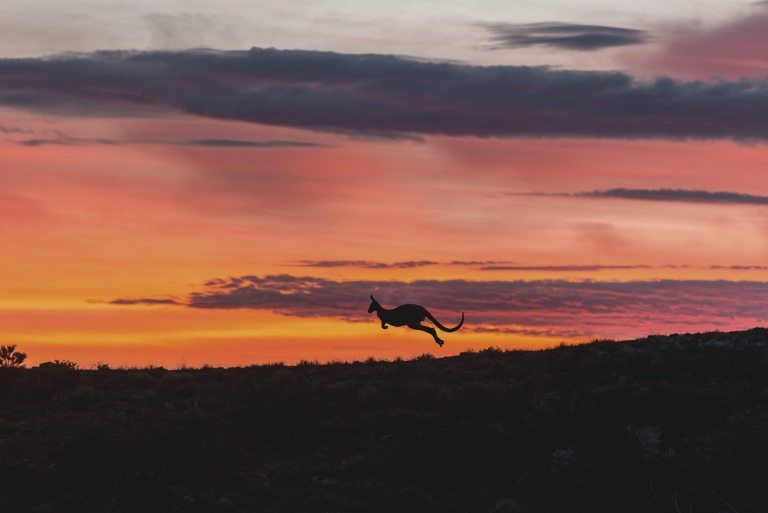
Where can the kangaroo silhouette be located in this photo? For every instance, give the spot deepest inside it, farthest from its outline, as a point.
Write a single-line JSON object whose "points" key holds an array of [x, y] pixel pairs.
{"points": [[411, 316]]}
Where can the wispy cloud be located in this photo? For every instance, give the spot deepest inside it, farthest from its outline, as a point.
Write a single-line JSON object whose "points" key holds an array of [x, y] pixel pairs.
{"points": [[560, 267], [14, 130], [144, 301], [383, 94], [479, 262], [740, 267], [591, 308], [565, 36], [367, 264], [677, 195], [212, 143], [682, 195]]}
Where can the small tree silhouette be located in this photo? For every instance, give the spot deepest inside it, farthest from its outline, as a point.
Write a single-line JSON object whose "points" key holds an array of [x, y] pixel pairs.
{"points": [[9, 357]]}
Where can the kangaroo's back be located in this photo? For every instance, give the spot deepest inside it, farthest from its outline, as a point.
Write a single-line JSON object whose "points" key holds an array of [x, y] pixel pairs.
{"points": [[406, 314]]}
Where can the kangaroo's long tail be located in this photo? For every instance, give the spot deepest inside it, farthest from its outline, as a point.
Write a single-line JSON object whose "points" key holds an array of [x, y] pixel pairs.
{"points": [[437, 323]]}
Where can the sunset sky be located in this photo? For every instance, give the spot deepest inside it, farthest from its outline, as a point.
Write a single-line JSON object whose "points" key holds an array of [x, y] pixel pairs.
{"points": [[193, 182]]}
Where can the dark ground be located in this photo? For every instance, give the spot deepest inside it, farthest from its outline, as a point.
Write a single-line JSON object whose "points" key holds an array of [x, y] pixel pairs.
{"points": [[667, 424]]}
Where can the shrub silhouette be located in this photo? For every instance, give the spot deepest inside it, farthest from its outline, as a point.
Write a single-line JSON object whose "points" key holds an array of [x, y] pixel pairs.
{"points": [[658, 425], [9, 357], [62, 374]]}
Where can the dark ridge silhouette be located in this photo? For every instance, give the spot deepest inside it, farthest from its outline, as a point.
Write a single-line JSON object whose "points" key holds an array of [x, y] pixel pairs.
{"points": [[411, 316], [664, 424]]}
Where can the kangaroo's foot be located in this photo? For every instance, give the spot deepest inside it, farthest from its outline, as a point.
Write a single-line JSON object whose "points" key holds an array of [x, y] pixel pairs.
{"points": [[429, 330]]}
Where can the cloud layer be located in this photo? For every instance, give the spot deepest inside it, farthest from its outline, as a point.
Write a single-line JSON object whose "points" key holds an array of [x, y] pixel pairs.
{"points": [[566, 36], [736, 48], [676, 195], [586, 308], [681, 195], [372, 94], [367, 264], [564, 268], [211, 143]]}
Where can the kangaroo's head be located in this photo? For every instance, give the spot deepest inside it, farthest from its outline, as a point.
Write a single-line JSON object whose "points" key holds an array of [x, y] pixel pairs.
{"points": [[374, 305]]}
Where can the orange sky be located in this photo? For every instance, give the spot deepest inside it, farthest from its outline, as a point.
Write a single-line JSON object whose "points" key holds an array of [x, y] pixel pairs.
{"points": [[85, 223]]}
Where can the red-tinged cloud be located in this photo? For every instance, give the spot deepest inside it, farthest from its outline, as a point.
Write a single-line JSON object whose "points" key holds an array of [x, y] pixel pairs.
{"points": [[738, 48], [676, 195], [563, 268], [382, 95], [547, 307], [679, 195], [410, 264], [366, 264], [144, 301]]}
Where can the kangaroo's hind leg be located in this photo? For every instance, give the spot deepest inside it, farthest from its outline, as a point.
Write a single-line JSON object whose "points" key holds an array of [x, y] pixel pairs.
{"points": [[429, 330]]}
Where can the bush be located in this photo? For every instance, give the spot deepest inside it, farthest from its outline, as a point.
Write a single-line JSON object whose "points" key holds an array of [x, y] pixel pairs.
{"points": [[9, 357], [62, 373]]}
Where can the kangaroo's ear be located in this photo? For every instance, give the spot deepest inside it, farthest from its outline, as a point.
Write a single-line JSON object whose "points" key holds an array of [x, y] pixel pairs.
{"points": [[372, 298]]}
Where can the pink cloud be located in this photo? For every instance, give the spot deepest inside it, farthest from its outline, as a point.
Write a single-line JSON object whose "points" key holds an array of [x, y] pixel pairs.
{"points": [[732, 50]]}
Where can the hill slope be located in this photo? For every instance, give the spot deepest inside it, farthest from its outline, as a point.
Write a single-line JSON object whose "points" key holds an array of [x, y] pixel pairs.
{"points": [[657, 424]]}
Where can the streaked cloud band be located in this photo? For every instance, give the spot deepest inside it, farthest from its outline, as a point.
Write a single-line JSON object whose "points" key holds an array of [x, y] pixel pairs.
{"points": [[372, 94], [676, 195], [591, 308], [211, 143], [681, 195]]}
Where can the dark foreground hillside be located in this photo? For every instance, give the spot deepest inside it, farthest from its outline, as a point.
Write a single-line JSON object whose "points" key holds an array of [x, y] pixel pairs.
{"points": [[668, 424]]}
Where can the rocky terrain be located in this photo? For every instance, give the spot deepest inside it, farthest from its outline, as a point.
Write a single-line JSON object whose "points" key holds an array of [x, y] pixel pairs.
{"points": [[666, 423]]}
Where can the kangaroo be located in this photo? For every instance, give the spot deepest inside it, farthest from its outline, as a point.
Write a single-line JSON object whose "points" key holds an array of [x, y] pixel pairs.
{"points": [[411, 316]]}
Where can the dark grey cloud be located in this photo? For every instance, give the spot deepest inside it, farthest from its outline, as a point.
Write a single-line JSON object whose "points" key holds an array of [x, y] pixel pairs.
{"points": [[366, 264], [559, 267], [678, 195], [235, 143], [212, 143], [14, 130], [682, 195], [566, 36], [740, 267], [479, 262], [587, 307], [144, 301], [372, 94], [373, 135], [68, 141]]}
